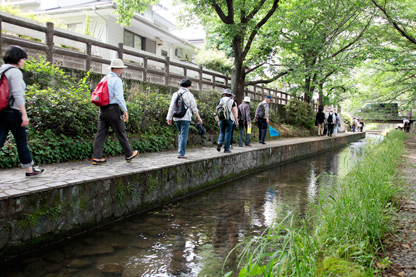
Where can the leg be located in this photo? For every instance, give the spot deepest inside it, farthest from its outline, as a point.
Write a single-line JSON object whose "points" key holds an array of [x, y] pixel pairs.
{"points": [[263, 130], [240, 135], [117, 123], [100, 136], [222, 132], [227, 133], [4, 129], [248, 136], [183, 128], [19, 133]]}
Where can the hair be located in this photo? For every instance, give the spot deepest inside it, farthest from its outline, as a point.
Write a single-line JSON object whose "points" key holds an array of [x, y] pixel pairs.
{"points": [[14, 54], [321, 110], [185, 82], [336, 114]]}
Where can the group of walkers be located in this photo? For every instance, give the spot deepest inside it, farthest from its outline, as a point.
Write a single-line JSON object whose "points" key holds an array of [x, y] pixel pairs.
{"points": [[228, 114], [327, 125]]}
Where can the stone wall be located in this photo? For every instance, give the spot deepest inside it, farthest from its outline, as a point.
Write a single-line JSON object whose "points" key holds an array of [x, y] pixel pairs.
{"points": [[47, 215]]}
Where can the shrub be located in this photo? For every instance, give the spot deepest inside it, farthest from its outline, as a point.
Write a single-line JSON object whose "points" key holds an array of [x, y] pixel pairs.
{"points": [[300, 113]]}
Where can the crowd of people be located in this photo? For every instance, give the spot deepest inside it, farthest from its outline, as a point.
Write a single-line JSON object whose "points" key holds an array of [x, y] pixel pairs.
{"points": [[327, 124], [229, 115]]}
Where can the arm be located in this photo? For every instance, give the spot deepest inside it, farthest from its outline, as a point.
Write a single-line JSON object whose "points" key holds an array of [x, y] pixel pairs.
{"points": [[194, 108], [235, 113], [17, 88], [118, 93], [170, 112]]}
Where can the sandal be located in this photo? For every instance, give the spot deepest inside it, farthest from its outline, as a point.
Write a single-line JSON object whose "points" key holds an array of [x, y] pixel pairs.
{"points": [[98, 162], [135, 154]]}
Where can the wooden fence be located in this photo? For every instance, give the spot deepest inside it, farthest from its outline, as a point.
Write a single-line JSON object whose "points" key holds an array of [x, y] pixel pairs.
{"points": [[72, 50]]}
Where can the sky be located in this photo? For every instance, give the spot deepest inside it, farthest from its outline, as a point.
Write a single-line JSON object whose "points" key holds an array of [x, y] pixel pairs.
{"points": [[170, 13]]}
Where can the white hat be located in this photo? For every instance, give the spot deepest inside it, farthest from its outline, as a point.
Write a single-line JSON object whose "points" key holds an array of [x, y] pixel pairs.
{"points": [[117, 63], [246, 99]]}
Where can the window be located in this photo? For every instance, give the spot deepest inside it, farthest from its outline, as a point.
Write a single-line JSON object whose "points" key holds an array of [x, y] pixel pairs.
{"points": [[133, 40], [164, 53], [75, 26]]}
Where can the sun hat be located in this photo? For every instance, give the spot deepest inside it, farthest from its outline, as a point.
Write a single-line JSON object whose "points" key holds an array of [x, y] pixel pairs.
{"points": [[246, 99], [117, 63], [227, 91], [268, 96]]}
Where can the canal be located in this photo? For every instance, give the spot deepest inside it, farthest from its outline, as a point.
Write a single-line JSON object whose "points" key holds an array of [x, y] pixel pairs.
{"points": [[194, 236]]}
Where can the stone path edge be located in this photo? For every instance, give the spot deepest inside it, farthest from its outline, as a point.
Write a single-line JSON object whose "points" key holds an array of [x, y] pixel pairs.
{"points": [[47, 212]]}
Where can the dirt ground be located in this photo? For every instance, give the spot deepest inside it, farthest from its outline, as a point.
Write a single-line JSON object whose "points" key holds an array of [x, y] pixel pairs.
{"points": [[401, 250]]}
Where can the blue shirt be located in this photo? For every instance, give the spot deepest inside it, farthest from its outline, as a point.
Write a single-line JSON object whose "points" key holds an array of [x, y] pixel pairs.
{"points": [[115, 91]]}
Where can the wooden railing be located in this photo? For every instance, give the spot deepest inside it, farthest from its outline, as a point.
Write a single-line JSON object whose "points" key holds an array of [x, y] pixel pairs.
{"points": [[72, 50]]}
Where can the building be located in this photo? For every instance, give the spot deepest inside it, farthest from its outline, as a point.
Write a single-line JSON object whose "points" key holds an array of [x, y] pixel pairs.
{"points": [[149, 32]]}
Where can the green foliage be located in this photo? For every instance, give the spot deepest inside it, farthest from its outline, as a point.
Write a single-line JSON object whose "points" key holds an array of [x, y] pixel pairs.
{"points": [[300, 113], [214, 59], [344, 231]]}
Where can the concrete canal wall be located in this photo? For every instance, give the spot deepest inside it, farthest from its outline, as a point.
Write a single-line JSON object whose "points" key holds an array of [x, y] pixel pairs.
{"points": [[49, 211]]}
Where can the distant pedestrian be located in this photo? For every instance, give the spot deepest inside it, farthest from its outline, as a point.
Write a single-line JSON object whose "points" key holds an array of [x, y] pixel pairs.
{"points": [[262, 118], [244, 122], [330, 121], [226, 124], [234, 124], [320, 120], [183, 123], [336, 125], [111, 115], [14, 116]]}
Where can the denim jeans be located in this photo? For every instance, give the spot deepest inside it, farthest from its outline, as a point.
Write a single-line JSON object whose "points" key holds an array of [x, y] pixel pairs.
{"points": [[10, 120], [241, 135], [183, 128], [110, 115], [226, 127]]}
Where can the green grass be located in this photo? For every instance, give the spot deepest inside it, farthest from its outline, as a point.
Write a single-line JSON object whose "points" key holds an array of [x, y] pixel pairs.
{"points": [[343, 234]]}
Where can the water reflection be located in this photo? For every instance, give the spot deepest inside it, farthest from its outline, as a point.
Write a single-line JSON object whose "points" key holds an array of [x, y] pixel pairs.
{"points": [[192, 237]]}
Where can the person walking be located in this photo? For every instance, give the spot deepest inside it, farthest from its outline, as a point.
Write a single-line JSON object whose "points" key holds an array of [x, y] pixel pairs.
{"points": [[262, 118], [183, 123], [226, 124], [336, 125], [110, 115], [320, 119], [330, 121], [244, 122], [14, 116]]}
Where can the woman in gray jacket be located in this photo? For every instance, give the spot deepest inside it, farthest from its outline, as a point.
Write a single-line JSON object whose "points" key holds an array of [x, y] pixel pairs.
{"points": [[14, 117]]}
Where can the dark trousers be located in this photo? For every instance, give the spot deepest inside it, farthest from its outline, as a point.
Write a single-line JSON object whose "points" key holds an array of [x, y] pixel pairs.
{"points": [[262, 124], [11, 120], [330, 129], [110, 115]]}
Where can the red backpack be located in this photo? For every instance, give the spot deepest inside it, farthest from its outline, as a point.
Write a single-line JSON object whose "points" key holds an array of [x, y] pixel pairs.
{"points": [[4, 91], [100, 97]]}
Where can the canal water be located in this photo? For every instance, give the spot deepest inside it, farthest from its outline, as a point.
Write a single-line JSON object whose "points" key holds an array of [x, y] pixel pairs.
{"points": [[192, 237]]}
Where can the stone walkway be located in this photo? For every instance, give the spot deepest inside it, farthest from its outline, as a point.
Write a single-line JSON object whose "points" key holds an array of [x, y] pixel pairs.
{"points": [[401, 249], [14, 183]]}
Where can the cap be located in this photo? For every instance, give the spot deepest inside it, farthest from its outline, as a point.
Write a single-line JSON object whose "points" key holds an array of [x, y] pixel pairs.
{"points": [[268, 96], [185, 82]]}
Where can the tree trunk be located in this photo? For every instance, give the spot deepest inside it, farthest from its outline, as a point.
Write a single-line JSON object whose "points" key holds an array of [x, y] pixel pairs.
{"points": [[238, 76]]}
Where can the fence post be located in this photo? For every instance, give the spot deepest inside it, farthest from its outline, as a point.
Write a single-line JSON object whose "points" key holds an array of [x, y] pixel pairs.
{"points": [[88, 61], [226, 80], [167, 71], [120, 50], [200, 77], [145, 69], [184, 72], [49, 41]]}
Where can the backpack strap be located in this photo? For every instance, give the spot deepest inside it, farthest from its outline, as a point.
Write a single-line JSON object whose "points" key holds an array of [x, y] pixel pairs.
{"points": [[106, 78]]}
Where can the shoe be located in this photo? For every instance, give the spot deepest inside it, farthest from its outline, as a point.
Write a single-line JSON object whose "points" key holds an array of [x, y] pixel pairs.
{"points": [[135, 154], [262, 142], [227, 151], [231, 147], [35, 171], [181, 157], [248, 144], [98, 162], [240, 145], [219, 147]]}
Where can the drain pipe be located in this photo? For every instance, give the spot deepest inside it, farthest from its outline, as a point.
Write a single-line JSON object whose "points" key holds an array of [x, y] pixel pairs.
{"points": [[106, 23]]}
